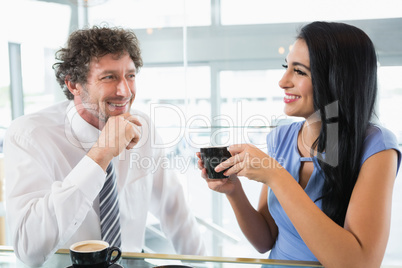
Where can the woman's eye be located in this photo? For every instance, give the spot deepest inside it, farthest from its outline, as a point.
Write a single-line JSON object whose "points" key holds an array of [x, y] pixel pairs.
{"points": [[285, 66], [299, 72]]}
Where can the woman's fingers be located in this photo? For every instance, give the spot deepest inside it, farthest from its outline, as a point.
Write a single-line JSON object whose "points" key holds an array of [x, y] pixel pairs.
{"points": [[200, 164], [204, 174], [234, 160], [236, 148]]}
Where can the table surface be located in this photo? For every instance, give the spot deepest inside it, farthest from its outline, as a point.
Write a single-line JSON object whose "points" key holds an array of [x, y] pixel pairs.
{"points": [[149, 260]]}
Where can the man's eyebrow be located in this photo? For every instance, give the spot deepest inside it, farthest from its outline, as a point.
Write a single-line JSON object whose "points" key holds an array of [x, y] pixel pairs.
{"points": [[106, 72], [115, 71]]}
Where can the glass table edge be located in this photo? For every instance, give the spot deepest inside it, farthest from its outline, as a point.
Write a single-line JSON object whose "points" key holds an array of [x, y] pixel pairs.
{"points": [[198, 258]]}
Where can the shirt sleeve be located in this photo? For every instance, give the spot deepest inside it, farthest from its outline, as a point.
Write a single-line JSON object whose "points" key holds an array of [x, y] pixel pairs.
{"points": [[42, 212], [379, 139]]}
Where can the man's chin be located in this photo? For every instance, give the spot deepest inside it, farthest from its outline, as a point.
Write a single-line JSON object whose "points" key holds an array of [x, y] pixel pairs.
{"points": [[115, 113]]}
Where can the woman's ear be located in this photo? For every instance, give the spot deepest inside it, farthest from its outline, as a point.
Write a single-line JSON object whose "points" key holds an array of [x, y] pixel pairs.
{"points": [[72, 87]]}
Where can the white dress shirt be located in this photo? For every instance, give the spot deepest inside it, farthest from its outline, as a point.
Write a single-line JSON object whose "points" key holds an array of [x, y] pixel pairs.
{"points": [[52, 187]]}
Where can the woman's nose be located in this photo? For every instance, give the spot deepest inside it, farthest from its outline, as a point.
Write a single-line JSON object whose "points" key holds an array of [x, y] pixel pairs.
{"points": [[285, 81]]}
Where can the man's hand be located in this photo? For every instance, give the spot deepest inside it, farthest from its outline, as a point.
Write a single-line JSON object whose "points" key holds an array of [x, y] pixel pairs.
{"points": [[135, 131], [119, 133]]}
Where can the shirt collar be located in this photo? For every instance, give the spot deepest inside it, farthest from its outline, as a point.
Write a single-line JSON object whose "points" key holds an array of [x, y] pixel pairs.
{"points": [[84, 134]]}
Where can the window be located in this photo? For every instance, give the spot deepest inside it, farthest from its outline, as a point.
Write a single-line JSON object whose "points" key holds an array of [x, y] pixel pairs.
{"points": [[5, 100], [175, 97], [37, 40], [150, 14], [390, 95], [235, 12]]}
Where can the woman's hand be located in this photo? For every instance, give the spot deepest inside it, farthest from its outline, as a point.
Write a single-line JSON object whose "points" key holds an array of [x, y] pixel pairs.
{"points": [[225, 186], [249, 161]]}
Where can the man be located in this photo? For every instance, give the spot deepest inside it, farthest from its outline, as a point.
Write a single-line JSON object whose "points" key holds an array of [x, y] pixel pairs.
{"points": [[57, 159]]}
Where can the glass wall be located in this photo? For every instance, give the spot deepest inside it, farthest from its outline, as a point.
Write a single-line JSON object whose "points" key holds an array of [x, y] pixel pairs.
{"points": [[5, 100], [152, 14], [210, 76], [238, 12]]}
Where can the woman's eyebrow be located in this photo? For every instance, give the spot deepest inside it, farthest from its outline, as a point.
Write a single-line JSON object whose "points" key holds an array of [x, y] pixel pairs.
{"points": [[296, 63], [300, 64]]}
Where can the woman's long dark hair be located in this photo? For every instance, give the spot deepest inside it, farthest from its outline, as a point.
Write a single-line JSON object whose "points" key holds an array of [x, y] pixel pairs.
{"points": [[343, 66]]}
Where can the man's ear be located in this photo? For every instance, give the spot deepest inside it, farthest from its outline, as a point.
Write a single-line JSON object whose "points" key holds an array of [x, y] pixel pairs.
{"points": [[72, 87]]}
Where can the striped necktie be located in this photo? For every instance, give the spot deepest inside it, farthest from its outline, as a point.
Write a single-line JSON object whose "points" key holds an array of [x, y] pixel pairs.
{"points": [[109, 209]]}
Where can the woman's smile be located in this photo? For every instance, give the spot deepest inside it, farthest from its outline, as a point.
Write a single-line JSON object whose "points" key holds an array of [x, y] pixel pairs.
{"points": [[291, 98]]}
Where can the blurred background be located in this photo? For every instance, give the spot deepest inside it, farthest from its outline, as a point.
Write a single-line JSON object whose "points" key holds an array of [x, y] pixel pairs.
{"points": [[210, 77]]}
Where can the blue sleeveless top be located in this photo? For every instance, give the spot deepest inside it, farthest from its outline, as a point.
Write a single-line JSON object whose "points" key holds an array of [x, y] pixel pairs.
{"points": [[282, 145]]}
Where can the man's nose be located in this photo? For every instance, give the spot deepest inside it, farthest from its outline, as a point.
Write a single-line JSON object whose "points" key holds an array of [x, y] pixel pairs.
{"points": [[123, 88]]}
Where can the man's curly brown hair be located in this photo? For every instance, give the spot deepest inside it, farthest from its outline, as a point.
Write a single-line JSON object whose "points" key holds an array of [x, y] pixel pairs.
{"points": [[85, 44]]}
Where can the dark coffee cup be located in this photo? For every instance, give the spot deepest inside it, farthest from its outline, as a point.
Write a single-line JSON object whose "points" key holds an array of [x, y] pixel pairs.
{"points": [[93, 253], [213, 156]]}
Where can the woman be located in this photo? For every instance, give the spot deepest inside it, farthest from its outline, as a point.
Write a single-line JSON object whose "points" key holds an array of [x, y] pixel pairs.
{"points": [[327, 181]]}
